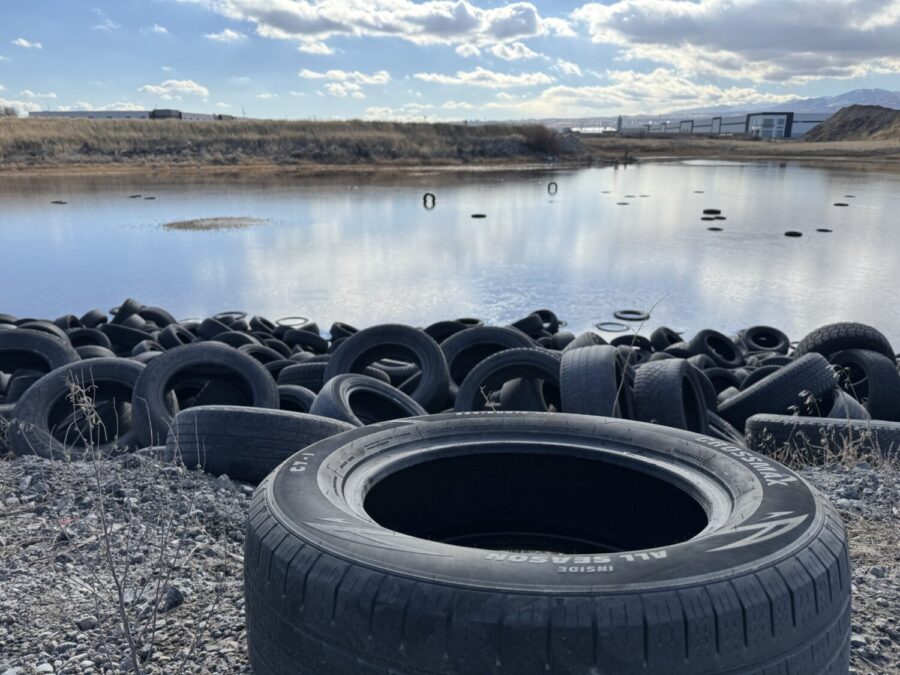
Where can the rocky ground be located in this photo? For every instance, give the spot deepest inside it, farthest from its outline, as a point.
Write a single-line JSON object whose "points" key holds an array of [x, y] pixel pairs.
{"points": [[173, 566]]}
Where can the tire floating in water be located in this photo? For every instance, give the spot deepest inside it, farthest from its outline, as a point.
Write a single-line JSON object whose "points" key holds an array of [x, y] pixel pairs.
{"points": [[631, 315], [479, 215], [714, 229], [712, 212], [793, 233], [621, 203], [841, 204], [612, 326], [719, 218], [823, 229], [552, 187], [429, 201]]}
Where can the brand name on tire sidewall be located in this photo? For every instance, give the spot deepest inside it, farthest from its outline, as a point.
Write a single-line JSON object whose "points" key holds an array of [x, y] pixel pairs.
{"points": [[766, 469]]}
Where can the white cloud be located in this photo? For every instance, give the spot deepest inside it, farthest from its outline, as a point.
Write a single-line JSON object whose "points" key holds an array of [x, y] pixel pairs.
{"points": [[354, 76], [631, 92], [458, 105], [226, 36], [106, 24], [156, 29], [794, 42], [171, 88], [315, 47], [21, 106], [345, 90], [568, 68], [239, 79], [468, 50], [27, 93], [84, 105], [4, 58], [25, 44], [482, 77], [265, 96], [298, 93], [429, 22], [2, 88], [221, 104], [513, 51]]}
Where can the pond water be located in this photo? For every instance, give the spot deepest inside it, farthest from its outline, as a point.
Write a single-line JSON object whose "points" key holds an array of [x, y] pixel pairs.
{"points": [[365, 250]]}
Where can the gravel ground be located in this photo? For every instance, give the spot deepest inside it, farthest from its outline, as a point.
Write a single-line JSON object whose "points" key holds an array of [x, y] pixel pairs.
{"points": [[176, 545]]}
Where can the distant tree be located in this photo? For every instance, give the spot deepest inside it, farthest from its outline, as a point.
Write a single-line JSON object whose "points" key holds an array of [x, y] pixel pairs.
{"points": [[8, 111]]}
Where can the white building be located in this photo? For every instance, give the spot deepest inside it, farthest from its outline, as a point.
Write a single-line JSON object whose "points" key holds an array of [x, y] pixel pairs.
{"points": [[96, 114], [160, 114], [755, 125]]}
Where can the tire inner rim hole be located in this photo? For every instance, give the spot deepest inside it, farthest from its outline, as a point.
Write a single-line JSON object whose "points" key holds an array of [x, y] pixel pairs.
{"points": [[767, 340], [529, 502], [371, 406], [96, 415], [722, 348], [208, 385]]}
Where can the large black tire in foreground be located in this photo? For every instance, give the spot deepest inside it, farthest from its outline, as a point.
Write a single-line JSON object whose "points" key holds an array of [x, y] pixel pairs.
{"points": [[245, 443], [528, 543]]}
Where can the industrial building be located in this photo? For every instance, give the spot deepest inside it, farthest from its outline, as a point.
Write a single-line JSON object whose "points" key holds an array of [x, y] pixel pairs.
{"points": [[159, 114], [754, 125]]}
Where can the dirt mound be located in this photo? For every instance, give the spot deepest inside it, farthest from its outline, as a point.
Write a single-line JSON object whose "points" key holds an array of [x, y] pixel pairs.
{"points": [[859, 123]]}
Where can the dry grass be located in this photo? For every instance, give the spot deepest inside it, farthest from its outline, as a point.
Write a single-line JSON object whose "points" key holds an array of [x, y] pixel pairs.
{"points": [[615, 147], [30, 142]]}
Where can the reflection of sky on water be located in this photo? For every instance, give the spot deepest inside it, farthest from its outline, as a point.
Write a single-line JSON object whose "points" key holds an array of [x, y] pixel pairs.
{"points": [[363, 250]]}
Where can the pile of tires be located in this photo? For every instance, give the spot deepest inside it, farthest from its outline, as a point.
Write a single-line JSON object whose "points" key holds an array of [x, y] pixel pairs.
{"points": [[127, 380], [472, 498]]}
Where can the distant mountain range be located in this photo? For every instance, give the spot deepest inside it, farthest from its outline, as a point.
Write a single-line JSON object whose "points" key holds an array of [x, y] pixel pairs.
{"points": [[881, 97]]}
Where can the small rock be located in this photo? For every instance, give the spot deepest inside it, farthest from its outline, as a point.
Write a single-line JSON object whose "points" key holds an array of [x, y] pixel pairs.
{"points": [[171, 599], [86, 623], [858, 641], [44, 668], [878, 572]]}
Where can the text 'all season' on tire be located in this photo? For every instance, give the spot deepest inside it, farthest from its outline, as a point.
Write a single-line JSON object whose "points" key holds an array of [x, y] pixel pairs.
{"points": [[418, 546]]}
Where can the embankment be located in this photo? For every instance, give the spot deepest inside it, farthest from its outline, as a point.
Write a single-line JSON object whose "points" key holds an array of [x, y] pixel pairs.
{"points": [[41, 143]]}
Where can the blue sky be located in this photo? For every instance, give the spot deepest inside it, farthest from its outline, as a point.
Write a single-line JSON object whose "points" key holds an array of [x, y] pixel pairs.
{"points": [[476, 59]]}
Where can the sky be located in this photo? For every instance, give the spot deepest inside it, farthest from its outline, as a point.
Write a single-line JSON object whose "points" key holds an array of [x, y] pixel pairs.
{"points": [[439, 59]]}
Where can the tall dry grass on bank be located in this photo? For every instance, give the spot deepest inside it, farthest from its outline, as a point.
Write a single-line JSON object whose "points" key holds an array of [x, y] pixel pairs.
{"points": [[616, 147], [62, 141]]}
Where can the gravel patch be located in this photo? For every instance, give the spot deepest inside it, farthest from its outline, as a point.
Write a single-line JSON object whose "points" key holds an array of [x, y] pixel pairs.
{"points": [[868, 499], [176, 545]]}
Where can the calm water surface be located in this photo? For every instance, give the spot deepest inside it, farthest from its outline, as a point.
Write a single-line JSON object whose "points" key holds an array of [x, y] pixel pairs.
{"points": [[364, 250]]}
